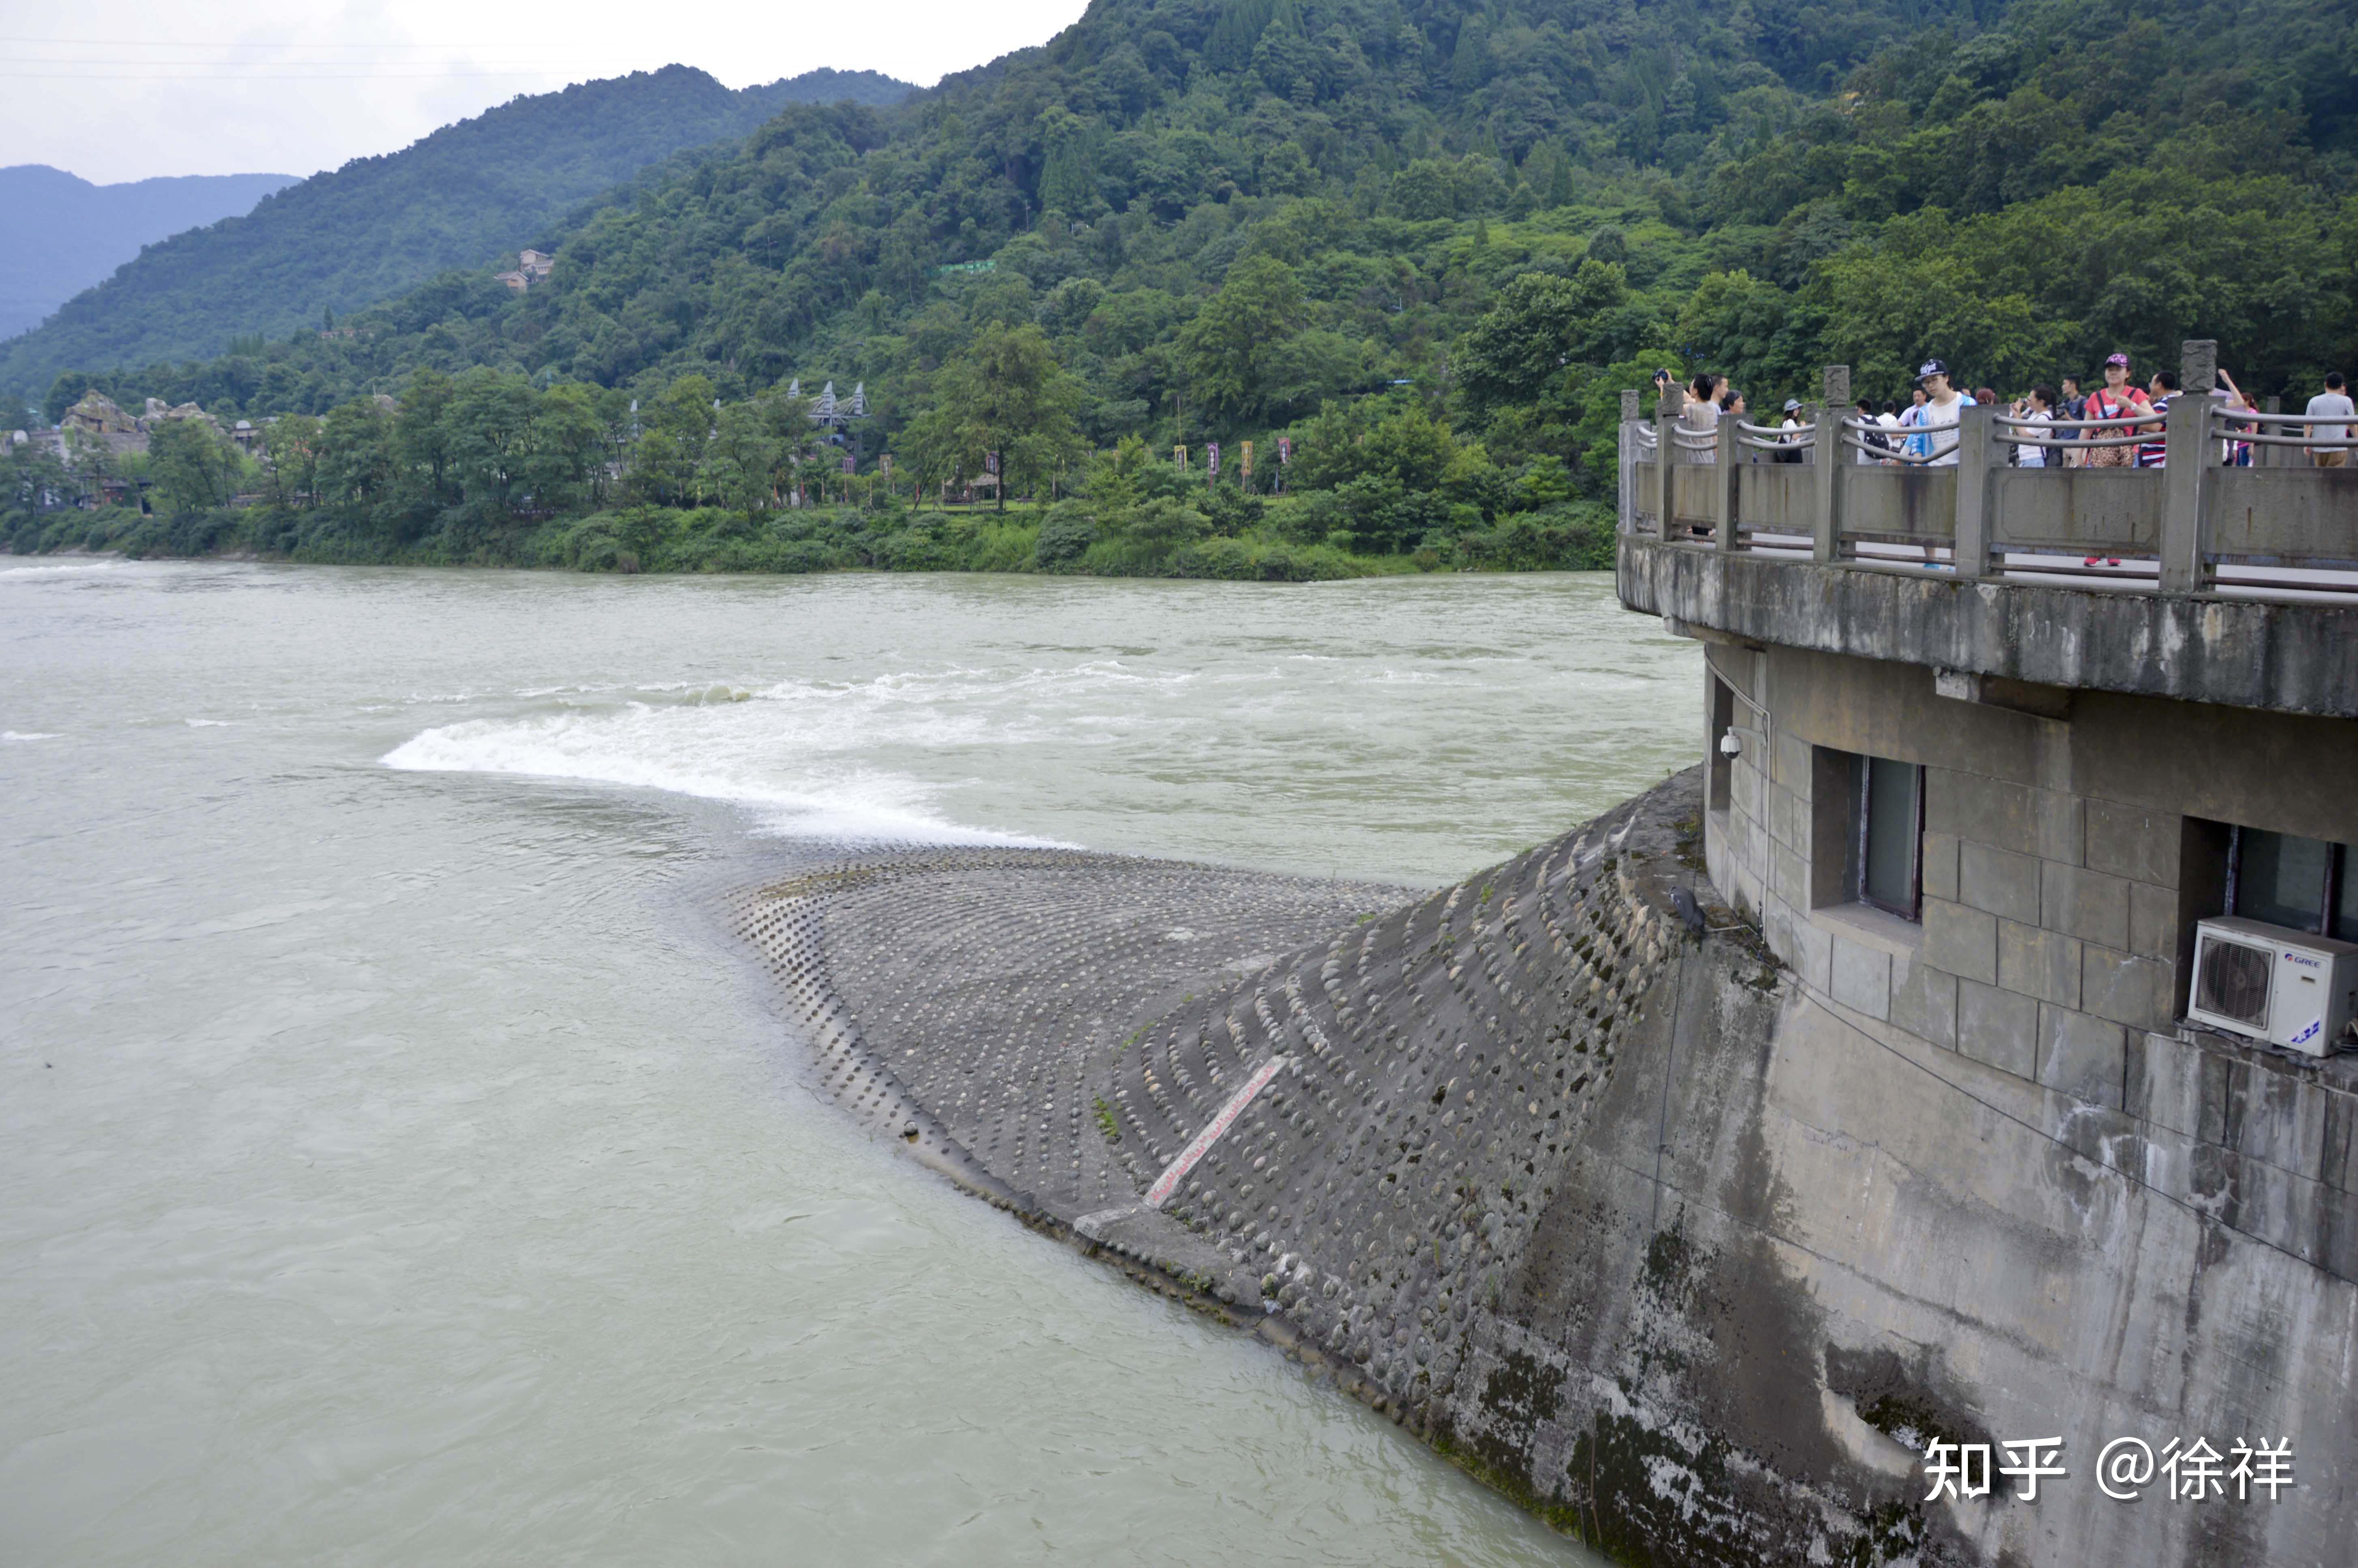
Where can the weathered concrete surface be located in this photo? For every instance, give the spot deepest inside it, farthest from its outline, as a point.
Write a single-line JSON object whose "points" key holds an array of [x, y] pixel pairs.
{"points": [[1612, 1211], [2294, 658]]}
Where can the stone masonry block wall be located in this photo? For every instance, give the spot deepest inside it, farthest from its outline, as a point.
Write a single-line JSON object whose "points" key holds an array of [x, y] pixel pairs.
{"points": [[2055, 909]]}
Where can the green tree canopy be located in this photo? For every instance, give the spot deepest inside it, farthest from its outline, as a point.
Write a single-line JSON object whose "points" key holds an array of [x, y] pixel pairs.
{"points": [[1005, 394], [191, 466], [1541, 324], [1233, 347]]}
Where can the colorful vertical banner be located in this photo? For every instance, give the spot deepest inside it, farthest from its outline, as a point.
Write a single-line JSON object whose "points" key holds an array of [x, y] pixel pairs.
{"points": [[1211, 460], [991, 464], [851, 463], [885, 465], [1179, 457], [1284, 450], [1245, 467]]}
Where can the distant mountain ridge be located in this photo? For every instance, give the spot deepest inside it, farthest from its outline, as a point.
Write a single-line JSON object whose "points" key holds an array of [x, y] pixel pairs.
{"points": [[460, 197], [828, 85], [59, 234]]}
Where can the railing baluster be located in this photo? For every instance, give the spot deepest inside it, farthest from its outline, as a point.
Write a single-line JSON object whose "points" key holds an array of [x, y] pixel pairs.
{"points": [[1666, 457], [1834, 461], [1724, 454], [1970, 552], [1626, 504], [2182, 569]]}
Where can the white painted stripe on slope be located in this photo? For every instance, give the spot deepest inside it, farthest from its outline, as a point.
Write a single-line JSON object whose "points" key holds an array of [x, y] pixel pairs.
{"points": [[1176, 1172]]}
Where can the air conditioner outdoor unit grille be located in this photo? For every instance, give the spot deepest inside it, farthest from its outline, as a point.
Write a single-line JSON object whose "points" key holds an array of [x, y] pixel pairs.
{"points": [[2231, 980], [2294, 990]]}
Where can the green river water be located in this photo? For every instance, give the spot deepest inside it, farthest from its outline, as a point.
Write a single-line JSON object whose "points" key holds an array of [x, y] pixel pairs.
{"points": [[398, 1166]]}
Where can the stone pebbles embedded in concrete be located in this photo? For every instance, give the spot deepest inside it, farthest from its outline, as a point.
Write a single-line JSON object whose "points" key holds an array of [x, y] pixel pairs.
{"points": [[983, 998], [1051, 1029]]}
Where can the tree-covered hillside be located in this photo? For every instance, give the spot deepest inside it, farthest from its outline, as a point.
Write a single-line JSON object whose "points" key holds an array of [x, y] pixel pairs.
{"points": [[1430, 242], [380, 226], [60, 233], [829, 85]]}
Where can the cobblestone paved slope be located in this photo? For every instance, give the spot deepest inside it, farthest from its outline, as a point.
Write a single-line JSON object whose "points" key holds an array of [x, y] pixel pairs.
{"points": [[1440, 1194], [974, 1002]]}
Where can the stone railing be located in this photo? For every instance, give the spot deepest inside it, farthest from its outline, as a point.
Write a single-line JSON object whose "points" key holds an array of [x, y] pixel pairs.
{"points": [[2198, 523]]}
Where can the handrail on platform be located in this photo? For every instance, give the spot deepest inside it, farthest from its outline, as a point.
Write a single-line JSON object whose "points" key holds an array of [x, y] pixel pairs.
{"points": [[2201, 521]]}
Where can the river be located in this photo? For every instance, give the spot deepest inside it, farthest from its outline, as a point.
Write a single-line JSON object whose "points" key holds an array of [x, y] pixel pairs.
{"points": [[399, 1166]]}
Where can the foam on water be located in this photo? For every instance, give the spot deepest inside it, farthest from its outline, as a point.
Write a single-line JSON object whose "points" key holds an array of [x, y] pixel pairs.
{"points": [[59, 568], [798, 754]]}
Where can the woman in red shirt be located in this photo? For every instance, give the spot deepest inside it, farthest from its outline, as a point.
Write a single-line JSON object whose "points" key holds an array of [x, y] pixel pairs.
{"points": [[2117, 399]]}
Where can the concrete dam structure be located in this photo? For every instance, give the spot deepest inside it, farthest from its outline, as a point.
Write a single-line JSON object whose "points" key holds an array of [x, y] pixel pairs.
{"points": [[1832, 1155]]}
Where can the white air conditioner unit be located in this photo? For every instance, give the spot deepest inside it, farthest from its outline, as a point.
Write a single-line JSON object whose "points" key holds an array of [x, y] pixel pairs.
{"points": [[2288, 987]]}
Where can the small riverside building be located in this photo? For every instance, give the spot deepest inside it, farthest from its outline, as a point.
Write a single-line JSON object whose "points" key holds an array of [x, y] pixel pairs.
{"points": [[1987, 745]]}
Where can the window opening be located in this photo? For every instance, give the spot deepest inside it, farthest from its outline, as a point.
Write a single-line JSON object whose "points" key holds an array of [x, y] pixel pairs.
{"points": [[2285, 880], [1891, 835]]}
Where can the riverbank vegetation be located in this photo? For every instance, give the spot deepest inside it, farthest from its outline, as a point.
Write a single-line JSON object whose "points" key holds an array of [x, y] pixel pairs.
{"points": [[1425, 248], [1174, 529]]}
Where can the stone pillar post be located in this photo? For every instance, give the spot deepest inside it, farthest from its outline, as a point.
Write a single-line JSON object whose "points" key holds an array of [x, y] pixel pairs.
{"points": [[1624, 499], [1833, 460], [2198, 366], [2184, 449], [1729, 452], [1977, 455], [1666, 459]]}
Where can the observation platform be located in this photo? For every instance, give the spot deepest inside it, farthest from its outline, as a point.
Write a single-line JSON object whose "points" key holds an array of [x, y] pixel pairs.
{"points": [[2215, 582]]}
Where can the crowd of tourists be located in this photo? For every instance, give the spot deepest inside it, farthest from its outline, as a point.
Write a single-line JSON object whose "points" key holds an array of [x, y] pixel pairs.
{"points": [[2045, 428]]}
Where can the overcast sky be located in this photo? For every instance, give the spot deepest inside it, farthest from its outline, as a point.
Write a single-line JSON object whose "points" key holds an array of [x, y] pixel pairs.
{"points": [[124, 91]]}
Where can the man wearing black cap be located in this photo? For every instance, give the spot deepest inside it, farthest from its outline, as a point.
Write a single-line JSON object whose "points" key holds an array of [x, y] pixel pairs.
{"points": [[1943, 409]]}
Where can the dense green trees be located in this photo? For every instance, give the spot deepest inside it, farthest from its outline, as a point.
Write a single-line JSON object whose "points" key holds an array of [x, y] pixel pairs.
{"points": [[1431, 245], [192, 468], [293, 448], [1235, 348], [1003, 400], [1542, 323]]}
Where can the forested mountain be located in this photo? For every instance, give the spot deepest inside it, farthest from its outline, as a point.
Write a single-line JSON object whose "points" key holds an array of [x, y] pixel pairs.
{"points": [[1429, 239], [59, 234], [379, 226], [829, 85]]}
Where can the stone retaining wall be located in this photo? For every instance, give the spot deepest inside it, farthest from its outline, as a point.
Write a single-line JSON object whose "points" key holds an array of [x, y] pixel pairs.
{"points": [[1612, 1208]]}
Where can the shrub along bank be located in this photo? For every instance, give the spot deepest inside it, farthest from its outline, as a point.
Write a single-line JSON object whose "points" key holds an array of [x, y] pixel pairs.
{"points": [[1246, 539]]}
